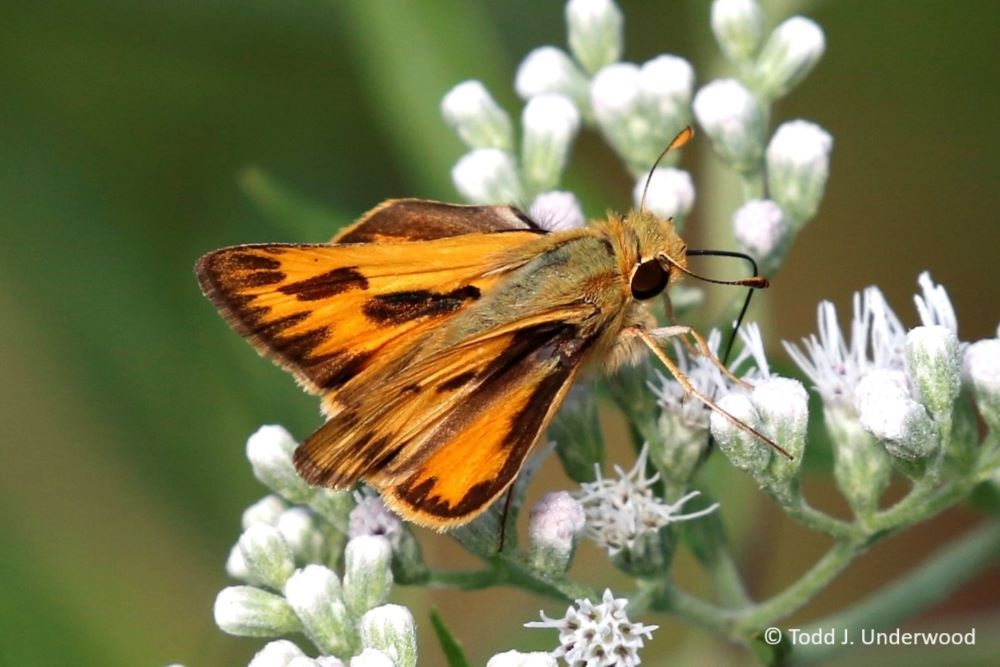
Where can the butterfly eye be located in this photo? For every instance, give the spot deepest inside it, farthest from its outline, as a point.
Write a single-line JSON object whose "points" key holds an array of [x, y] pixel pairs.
{"points": [[648, 280]]}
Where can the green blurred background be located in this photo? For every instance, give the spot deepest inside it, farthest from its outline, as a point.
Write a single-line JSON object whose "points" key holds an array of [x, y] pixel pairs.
{"points": [[128, 132]]}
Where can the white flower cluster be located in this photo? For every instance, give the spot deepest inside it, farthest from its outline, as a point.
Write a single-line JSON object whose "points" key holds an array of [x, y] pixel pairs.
{"points": [[638, 109], [733, 112], [597, 635], [286, 557], [622, 512]]}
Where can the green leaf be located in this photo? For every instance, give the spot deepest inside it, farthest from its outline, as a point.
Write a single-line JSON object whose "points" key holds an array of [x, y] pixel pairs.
{"points": [[452, 650]]}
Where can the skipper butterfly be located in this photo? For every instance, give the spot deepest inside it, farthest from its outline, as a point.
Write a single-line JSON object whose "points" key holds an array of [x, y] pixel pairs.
{"points": [[443, 338]]}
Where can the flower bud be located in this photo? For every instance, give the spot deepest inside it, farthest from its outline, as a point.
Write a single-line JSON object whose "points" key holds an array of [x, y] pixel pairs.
{"points": [[391, 630], [551, 70], [487, 176], [266, 510], [246, 611], [595, 32], [738, 26], [270, 452], [550, 123], [762, 231], [981, 371], [783, 407], [555, 525], [731, 118], [791, 52], [371, 517], [314, 592], [478, 119], [518, 659], [303, 535], [367, 572], [236, 567], [798, 163], [932, 364], [888, 412], [861, 468], [269, 560], [371, 657], [742, 449], [670, 194], [278, 653], [666, 84], [555, 211]]}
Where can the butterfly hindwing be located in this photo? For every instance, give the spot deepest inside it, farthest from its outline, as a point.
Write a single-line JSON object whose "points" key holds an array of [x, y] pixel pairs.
{"points": [[449, 434], [421, 220]]}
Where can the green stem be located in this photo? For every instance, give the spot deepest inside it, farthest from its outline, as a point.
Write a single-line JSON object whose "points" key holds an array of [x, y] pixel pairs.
{"points": [[932, 581], [819, 521], [465, 580], [754, 619]]}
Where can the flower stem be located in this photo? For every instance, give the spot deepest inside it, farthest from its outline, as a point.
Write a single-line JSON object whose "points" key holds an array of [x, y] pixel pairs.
{"points": [[942, 572]]}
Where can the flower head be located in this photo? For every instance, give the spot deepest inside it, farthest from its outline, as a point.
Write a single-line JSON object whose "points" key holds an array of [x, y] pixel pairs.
{"points": [[798, 164], [732, 120], [556, 210], [622, 511], [594, 635], [789, 54]]}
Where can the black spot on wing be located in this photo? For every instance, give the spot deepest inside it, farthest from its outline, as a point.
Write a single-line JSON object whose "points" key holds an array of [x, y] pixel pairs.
{"points": [[399, 307], [333, 371], [456, 382], [259, 278], [247, 261], [326, 284]]}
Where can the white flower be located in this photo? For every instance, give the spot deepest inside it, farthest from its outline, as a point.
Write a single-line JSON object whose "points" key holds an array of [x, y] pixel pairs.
{"points": [[268, 558], [597, 635], [887, 411], [247, 611], [478, 119], [761, 229], [371, 517], [670, 193], [738, 26], [981, 370], [551, 70], [798, 164], [555, 524], [622, 511], [518, 659], [550, 123], [367, 572], [390, 629], [371, 657], [556, 211], [595, 32], [270, 451], [933, 365], [934, 305], [487, 176], [315, 593], [834, 365], [732, 120], [276, 654], [790, 53]]}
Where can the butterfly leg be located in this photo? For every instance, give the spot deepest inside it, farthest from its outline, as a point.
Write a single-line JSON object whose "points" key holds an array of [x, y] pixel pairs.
{"points": [[650, 339], [682, 332]]}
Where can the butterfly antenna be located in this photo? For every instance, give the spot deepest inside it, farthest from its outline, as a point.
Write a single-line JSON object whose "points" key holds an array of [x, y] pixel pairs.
{"points": [[746, 302], [682, 138]]}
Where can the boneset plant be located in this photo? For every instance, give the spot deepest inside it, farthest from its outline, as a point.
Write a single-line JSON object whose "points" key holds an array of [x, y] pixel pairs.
{"points": [[895, 402]]}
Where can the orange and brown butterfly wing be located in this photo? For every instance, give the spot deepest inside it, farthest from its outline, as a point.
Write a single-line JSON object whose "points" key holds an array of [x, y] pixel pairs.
{"points": [[443, 438], [327, 312]]}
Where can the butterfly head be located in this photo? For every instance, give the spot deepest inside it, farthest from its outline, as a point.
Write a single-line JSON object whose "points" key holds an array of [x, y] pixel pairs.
{"points": [[655, 255]]}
